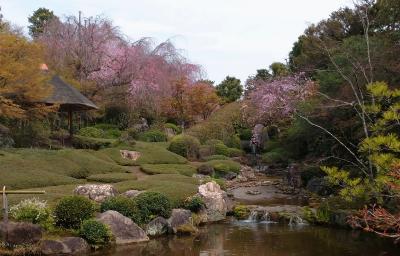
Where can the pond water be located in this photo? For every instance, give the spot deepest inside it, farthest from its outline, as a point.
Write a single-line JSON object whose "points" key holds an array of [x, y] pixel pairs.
{"points": [[247, 238]]}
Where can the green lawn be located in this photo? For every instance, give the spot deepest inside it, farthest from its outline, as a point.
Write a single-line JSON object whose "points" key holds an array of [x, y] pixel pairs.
{"points": [[184, 169]]}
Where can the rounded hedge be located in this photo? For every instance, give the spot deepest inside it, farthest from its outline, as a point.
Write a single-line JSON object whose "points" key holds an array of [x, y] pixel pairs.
{"points": [[91, 132], [185, 145], [194, 203], [71, 211], [95, 232], [121, 204], [152, 204]]}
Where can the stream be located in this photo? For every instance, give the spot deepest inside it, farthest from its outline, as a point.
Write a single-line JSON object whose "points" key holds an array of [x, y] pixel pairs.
{"points": [[262, 238], [258, 235]]}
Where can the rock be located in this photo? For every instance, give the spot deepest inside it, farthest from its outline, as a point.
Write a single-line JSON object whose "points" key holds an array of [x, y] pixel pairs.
{"points": [[96, 192], [205, 169], [67, 245], [181, 221], [247, 173], [214, 199], [253, 192], [124, 229], [132, 193], [131, 155], [319, 186], [157, 227], [20, 233], [230, 175]]}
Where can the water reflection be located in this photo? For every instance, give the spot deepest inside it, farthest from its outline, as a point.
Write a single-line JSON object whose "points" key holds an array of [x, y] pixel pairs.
{"points": [[241, 238]]}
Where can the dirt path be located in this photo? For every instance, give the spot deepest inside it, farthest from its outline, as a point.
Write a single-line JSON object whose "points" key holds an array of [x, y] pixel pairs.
{"points": [[139, 174]]}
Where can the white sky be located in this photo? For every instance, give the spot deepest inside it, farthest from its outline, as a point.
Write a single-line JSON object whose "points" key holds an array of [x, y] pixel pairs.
{"points": [[226, 37]]}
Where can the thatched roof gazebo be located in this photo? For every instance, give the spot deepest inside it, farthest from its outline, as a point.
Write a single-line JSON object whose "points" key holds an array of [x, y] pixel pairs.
{"points": [[69, 99]]}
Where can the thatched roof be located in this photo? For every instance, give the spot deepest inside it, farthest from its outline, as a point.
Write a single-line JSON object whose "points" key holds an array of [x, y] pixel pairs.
{"points": [[69, 98]]}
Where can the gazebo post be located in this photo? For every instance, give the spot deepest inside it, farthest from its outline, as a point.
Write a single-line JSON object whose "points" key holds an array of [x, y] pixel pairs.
{"points": [[70, 123]]}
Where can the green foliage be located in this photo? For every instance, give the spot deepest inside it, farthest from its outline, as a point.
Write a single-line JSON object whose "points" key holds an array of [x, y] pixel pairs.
{"points": [[183, 169], [224, 166], [152, 153], [311, 172], [279, 69], [245, 134], [82, 142], [111, 177], [221, 125], [185, 145], [217, 147], [194, 203], [174, 127], [234, 152], [174, 186], [216, 157], [91, 132], [31, 210], [38, 21], [32, 134], [152, 204], [71, 211], [241, 212], [275, 156], [230, 89], [125, 206], [153, 136], [95, 232]]}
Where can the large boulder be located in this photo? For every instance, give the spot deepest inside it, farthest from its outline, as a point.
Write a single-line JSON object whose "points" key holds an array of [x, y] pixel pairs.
{"points": [[181, 222], [215, 201], [20, 233], [131, 155], [157, 227], [64, 246], [124, 229], [96, 192]]}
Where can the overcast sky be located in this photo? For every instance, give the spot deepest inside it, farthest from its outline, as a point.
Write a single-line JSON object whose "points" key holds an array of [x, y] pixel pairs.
{"points": [[226, 37]]}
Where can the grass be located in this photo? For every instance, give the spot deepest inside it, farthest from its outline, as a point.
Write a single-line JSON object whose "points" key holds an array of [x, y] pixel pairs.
{"points": [[111, 177], [224, 166], [27, 168], [184, 169], [175, 186], [156, 153]]}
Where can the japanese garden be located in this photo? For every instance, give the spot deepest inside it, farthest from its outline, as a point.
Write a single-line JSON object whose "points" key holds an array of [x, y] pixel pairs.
{"points": [[117, 146]]}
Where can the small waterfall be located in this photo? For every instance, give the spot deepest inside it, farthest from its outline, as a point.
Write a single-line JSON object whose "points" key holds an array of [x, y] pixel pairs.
{"points": [[296, 220], [253, 217]]}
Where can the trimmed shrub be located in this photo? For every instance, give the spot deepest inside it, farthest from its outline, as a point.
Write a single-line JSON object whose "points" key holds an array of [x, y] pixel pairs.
{"points": [[70, 211], [174, 127], [205, 169], [153, 136], [194, 203], [152, 204], [224, 166], [185, 145], [82, 142], [95, 232], [91, 132], [245, 134], [275, 156], [233, 142], [235, 152], [121, 204], [216, 157], [221, 149], [31, 210], [183, 169]]}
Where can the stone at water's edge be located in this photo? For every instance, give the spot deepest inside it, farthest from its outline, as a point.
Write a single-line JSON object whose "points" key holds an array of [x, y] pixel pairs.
{"points": [[124, 229], [96, 192], [157, 227], [215, 201], [181, 222], [66, 245], [20, 233]]}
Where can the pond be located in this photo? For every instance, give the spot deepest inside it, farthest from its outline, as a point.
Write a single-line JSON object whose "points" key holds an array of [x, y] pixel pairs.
{"points": [[269, 239]]}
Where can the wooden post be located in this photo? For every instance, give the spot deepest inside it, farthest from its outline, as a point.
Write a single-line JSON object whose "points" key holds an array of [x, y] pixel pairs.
{"points": [[70, 123], [5, 200]]}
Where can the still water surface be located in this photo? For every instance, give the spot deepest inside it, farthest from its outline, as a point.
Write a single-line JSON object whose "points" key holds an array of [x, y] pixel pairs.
{"points": [[259, 239]]}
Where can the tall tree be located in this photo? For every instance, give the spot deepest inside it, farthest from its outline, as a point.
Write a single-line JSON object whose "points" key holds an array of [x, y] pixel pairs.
{"points": [[230, 89], [38, 21], [22, 86], [279, 69]]}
